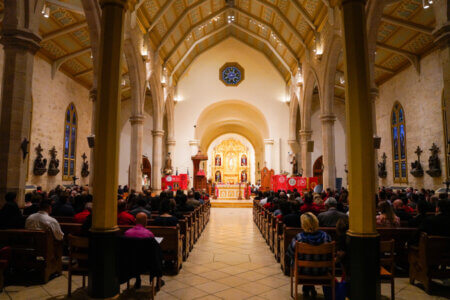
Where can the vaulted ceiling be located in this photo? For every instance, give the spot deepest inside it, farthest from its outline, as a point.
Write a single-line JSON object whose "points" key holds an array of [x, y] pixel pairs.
{"points": [[180, 30]]}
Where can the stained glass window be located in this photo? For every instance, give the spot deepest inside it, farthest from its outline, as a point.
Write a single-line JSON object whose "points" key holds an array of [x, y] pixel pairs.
{"points": [[231, 74], [399, 144], [70, 142]]}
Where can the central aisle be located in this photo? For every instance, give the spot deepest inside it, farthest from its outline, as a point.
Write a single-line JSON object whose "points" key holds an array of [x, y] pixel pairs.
{"points": [[231, 260]]}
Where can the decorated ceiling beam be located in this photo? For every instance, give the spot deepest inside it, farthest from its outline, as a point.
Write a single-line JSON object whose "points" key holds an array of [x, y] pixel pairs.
{"points": [[191, 31], [407, 24], [160, 14], [280, 15], [240, 28], [194, 27], [178, 22], [304, 14], [61, 60], [74, 8], [384, 69], [82, 73], [64, 30], [411, 57]]}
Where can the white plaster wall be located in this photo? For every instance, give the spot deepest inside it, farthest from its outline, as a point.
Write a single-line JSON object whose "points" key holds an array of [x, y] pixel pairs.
{"points": [[339, 138], [51, 97], [244, 141], [125, 140], [420, 96], [263, 87]]}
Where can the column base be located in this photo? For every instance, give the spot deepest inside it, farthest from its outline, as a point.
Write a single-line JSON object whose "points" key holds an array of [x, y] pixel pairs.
{"points": [[103, 276], [365, 267]]}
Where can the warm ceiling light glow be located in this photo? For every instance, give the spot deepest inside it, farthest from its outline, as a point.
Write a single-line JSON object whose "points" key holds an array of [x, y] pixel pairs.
{"points": [[46, 11], [342, 79]]}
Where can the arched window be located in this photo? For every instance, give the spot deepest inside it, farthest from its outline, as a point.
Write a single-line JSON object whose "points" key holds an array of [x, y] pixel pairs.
{"points": [[398, 129], [70, 142]]}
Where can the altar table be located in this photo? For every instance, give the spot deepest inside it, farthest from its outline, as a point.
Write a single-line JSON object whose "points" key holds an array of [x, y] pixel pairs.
{"points": [[230, 191]]}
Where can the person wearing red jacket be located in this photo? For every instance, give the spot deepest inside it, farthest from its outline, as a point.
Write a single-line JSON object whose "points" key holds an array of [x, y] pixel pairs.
{"points": [[123, 216], [81, 216]]}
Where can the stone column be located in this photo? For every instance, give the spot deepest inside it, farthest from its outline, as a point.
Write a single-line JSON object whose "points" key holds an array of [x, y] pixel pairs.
{"points": [[268, 145], [157, 160], [137, 132], [329, 154], [364, 239], [305, 137], [20, 41], [171, 147], [373, 100], [193, 144], [442, 39], [93, 98], [103, 281]]}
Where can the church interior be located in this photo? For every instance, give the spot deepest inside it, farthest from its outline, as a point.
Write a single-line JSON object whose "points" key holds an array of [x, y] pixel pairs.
{"points": [[224, 149]]}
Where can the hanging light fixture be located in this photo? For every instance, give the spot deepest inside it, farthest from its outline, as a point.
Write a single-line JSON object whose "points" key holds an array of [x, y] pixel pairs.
{"points": [[426, 3]]}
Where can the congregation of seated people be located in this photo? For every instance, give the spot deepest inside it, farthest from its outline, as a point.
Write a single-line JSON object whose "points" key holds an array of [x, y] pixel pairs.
{"points": [[314, 214], [62, 206]]}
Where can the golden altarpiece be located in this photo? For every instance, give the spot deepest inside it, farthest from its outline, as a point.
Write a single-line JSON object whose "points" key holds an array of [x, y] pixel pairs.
{"points": [[230, 162]]}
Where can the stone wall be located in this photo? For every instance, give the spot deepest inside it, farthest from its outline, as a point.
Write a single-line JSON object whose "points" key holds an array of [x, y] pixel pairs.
{"points": [[420, 96], [50, 101]]}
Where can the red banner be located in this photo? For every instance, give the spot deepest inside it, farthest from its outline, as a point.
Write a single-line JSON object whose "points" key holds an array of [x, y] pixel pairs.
{"points": [[175, 182], [281, 182]]}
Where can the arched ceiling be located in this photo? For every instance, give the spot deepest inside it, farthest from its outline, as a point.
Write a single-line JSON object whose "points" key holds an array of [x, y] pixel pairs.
{"points": [[282, 29]]}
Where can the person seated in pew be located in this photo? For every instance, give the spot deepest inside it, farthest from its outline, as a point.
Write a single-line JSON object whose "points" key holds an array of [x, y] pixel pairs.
{"points": [[308, 205], [182, 206], [422, 209], [141, 207], [285, 209], [139, 232], [165, 218], [342, 251], [399, 210], [387, 217], [330, 217], [81, 216], [313, 236], [191, 200], [123, 216], [35, 199], [62, 207], [440, 223], [293, 219], [42, 221], [10, 214]]}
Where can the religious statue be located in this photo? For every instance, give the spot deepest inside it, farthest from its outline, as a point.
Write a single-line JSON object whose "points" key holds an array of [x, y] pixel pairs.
{"points": [[294, 166], [40, 163], [417, 170], [168, 169], [382, 167], [218, 161], [54, 163], [244, 176], [434, 163], [218, 177], [244, 160], [84, 166]]}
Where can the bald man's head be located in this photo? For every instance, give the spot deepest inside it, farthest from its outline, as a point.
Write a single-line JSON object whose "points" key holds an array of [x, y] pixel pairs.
{"points": [[141, 218], [398, 204]]}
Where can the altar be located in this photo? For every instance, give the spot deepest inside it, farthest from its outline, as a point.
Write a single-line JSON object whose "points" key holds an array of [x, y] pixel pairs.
{"points": [[225, 191]]}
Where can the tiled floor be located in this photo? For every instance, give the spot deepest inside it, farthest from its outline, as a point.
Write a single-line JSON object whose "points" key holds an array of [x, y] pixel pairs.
{"points": [[230, 261]]}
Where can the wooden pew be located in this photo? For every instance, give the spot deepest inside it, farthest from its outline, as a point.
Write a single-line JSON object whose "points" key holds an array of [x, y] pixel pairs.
{"points": [[33, 249], [429, 260]]}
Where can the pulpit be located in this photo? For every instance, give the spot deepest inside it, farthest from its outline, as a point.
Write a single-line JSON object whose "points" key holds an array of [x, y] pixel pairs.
{"points": [[199, 174]]}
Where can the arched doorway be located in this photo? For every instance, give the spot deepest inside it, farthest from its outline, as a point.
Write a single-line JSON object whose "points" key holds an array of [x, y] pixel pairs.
{"points": [[318, 169], [146, 171]]}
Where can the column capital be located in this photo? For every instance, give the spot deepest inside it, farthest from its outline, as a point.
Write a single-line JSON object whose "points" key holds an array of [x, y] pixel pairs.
{"points": [[292, 142], [268, 141], [137, 119], [171, 142], [194, 142], [25, 40], [158, 133], [374, 94], [93, 94], [328, 118], [305, 134]]}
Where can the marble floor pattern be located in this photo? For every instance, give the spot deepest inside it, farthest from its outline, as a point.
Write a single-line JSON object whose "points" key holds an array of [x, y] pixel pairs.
{"points": [[230, 261]]}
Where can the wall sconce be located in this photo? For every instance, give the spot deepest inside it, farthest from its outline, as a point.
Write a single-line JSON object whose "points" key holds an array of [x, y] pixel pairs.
{"points": [[342, 79], [46, 11]]}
